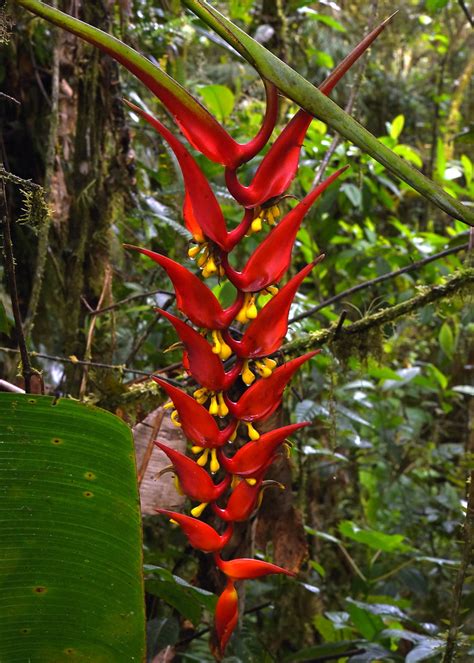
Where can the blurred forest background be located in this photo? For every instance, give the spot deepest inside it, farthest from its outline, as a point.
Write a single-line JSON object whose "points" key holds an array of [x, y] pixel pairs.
{"points": [[376, 488]]}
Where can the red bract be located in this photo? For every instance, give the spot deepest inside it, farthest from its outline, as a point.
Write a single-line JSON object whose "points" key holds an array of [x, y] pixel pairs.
{"points": [[204, 365], [245, 569], [253, 458], [195, 482], [200, 535], [227, 614], [272, 257], [263, 397], [241, 503], [199, 199], [198, 425], [193, 298], [197, 124], [265, 334], [278, 167]]}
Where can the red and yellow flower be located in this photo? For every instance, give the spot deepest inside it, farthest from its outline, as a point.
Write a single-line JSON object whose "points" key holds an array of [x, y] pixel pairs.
{"points": [[213, 355]]}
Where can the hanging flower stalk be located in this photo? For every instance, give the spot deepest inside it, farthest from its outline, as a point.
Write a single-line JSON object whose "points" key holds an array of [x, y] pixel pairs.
{"points": [[223, 473]]}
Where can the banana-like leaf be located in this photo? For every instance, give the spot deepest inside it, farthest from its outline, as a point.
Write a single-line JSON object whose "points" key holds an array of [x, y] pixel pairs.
{"points": [[70, 537], [306, 95]]}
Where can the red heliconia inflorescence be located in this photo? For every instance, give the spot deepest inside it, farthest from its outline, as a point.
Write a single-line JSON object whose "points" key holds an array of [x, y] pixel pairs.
{"points": [[220, 358], [216, 357]]}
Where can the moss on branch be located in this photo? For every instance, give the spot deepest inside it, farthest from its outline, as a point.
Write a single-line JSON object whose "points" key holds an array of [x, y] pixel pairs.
{"points": [[359, 337]]}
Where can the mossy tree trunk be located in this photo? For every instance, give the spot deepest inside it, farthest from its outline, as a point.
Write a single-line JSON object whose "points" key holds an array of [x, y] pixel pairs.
{"points": [[89, 186]]}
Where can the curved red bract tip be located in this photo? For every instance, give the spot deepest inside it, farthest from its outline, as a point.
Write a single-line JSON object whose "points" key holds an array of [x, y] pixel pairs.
{"points": [[265, 334], [194, 480], [198, 425], [227, 614], [205, 366], [264, 396], [245, 569], [200, 535], [201, 209], [272, 257], [251, 459], [193, 297], [241, 502]]}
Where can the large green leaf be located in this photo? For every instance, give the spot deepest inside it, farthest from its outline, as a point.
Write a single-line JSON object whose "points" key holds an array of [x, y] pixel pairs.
{"points": [[70, 537]]}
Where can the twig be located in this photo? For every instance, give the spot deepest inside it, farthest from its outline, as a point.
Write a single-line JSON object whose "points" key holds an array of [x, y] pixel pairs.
{"points": [[340, 322], [430, 294], [81, 362], [90, 333], [26, 368], [149, 328], [19, 181], [470, 19], [379, 279], [8, 386], [142, 295], [7, 96]]}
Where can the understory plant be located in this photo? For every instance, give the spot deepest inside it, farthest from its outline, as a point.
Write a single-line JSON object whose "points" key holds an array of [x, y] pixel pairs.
{"points": [[235, 380]]}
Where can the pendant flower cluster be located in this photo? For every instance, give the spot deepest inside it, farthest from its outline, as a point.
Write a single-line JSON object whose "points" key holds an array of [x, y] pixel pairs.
{"points": [[232, 350], [229, 353]]}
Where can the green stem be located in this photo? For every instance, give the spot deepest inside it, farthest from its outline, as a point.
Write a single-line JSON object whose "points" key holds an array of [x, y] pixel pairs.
{"points": [[306, 95]]}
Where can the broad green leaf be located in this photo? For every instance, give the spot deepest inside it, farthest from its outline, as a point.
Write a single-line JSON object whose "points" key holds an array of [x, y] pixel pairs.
{"points": [[353, 193], [424, 652], [367, 623], [323, 18], [70, 550], [219, 99], [187, 599], [405, 375], [446, 339], [464, 389], [380, 609], [425, 647], [323, 59], [409, 154], [353, 416], [383, 373], [440, 377], [372, 538], [396, 126]]}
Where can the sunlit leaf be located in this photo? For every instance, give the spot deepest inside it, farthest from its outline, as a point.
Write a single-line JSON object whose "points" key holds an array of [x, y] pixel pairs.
{"points": [[467, 167], [372, 538], [396, 126], [446, 339], [219, 99]]}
